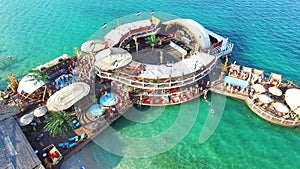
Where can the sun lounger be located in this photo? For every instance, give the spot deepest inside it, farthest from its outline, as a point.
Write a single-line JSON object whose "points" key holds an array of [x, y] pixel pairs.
{"points": [[75, 138], [73, 122], [66, 144], [72, 145], [82, 137], [76, 126]]}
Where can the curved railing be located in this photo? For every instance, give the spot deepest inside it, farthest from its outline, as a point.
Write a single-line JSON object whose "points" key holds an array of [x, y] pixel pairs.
{"points": [[137, 34], [133, 81], [219, 52], [273, 118], [179, 94]]}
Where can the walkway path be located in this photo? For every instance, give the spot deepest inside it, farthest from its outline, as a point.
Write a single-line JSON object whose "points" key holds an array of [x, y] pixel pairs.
{"points": [[258, 110]]}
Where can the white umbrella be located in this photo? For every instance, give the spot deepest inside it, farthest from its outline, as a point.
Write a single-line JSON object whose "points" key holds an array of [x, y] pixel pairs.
{"points": [[292, 97], [259, 88], [40, 111], [264, 98], [281, 107], [26, 119], [275, 91]]}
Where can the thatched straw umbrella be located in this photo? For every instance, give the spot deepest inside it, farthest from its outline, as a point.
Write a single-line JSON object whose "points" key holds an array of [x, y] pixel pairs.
{"points": [[67, 96], [113, 58]]}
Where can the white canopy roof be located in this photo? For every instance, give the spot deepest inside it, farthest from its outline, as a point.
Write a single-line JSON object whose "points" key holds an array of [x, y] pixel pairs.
{"points": [[186, 66], [197, 29], [53, 62], [28, 85]]}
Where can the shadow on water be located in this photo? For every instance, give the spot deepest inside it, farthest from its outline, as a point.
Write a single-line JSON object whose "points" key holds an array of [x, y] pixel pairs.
{"points": [[3, 51]]}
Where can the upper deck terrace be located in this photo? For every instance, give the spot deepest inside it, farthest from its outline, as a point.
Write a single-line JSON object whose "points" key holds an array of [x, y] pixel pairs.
{"points": [[165, 76]]}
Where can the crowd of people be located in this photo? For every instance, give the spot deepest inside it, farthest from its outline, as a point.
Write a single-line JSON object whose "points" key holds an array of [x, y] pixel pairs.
{"points": [[172, 96], [84, 71], [258, 78], [63, 81]]}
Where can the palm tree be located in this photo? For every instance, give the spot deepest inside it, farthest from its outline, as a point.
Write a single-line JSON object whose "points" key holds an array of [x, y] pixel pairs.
{"points": [[152, 40], [57, 123], [225, 66], [37, 76]]}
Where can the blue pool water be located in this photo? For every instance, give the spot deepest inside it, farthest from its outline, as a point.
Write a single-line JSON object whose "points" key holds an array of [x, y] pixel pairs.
{"points": [[235, 81], [107, 100], [95, 110]]}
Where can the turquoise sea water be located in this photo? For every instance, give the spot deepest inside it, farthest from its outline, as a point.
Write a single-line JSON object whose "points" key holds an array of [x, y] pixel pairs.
{"points": [[266, 36]]}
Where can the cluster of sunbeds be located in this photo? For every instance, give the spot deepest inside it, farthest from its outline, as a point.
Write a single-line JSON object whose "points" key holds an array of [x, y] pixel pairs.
{"points": [[73, 141]]}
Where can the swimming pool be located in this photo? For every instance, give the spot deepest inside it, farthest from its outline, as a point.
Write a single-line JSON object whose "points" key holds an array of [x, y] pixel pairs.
{"points": [[235, 81], [95, 110], [107, 100]]}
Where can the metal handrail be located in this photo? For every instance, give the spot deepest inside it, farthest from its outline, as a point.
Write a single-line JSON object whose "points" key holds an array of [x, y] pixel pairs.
{"points": [[149, 85], [281, 120]]}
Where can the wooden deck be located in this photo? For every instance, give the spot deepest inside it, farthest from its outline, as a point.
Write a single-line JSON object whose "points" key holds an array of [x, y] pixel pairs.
{"points": [[191, 97], [264, 114], [92, 127]]}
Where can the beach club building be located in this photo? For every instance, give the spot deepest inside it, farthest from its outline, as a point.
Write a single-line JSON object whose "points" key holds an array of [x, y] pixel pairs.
{"points": [[159, 61]]}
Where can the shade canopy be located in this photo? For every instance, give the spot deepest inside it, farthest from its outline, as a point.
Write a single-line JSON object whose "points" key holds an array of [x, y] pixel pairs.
{"points": [[25, 119], [275, 91], [247, 69], [235, 81], [108, 100], [114, 59], [258, 72], [259, 88], [265, 99], [96, 110], [292, 97], [281, 107], [67, 96], [40, 111], [93, 46], [276, 77], [235, 67], [28, 85]]}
